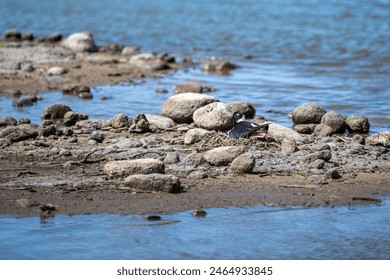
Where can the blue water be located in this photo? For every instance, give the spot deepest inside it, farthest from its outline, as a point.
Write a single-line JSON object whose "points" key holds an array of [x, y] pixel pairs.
{"points": [[232, 233], [335, 53]]}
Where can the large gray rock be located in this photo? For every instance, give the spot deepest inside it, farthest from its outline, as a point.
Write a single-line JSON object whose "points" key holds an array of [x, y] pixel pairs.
{"points": [[80, 42], [357, 124], [215, 116], [244, 163], [193, 160], [187, 87], [280, 133], [323, 130], [381, 138], [195, 135], [243, 107], [55, 111], [335, 121], [159, 122], [123, 168], [181, 107], [222, 155], [308, 113], [154, 182]]}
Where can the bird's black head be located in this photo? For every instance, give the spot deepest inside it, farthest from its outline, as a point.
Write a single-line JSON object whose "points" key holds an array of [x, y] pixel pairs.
{"points": [[237, 117]]}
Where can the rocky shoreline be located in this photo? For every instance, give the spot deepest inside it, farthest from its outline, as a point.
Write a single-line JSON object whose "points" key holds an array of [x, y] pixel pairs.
{"points": [[179, 160]]}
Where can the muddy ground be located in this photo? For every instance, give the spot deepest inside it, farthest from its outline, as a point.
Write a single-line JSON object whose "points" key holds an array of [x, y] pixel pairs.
{"points": [[54, 170]]}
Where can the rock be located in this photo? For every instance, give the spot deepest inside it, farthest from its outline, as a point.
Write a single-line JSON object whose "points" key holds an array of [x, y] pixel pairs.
{"points": [[308, 113], [80, 42], [195, 135], [280, 133], [19, 133], [335, 121], [149, 61], [215, 116], [217, 65], [317, 164], [159, 122], [243, 107], [193, 160], [222, 155], [381, 138], [7, 121], [197, 175], [130, 50], [125, 168], [305, 128], [288, 146], [27, 67], [56, 71], [119, 121], [140, 124], [161, 90], [320, 147], [112, 48], [154, 182], [25, 102], [323, 130], [187, 87], [123, 144], [71, 118], [27, 36], [358, 124], [53, 38], [12, 35], [181, 107], [92, 124], [324, 155], [83, 92], [96, 136], [171, 158], [333, 174], [23, 121], [55, 111], [46, 131], [244, 163], [358, 139]]}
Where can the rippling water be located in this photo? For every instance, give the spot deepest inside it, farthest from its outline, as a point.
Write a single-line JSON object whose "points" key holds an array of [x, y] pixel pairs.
{"points": [[336, 53], [232, 233]]}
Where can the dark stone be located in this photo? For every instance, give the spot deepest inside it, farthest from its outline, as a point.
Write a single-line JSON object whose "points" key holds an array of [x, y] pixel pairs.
{"points": [[12, 35], [24, 121], [71, 118], [7, 121], [358, 124], [53, 38], [335, 121], [112, 47], [55, 111], [217, 65], [140, 124], [84, 92], [305, 128], [187, 87], [96, 136]]}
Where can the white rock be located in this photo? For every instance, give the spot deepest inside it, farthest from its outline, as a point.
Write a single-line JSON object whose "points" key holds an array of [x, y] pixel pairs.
{"points": [[381, 138], [214, 116], [182, 106], [280, 133], [159, 122], [222, 155], [154, 182], [195, 135], [56, 71], [123, 168], [80, 42]]}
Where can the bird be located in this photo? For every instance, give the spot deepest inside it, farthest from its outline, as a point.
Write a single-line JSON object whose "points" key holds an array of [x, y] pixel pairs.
{"points": [[245, 129]]}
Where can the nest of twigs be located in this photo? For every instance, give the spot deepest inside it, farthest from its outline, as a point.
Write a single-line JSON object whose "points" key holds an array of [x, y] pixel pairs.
{"points": [[220, 139]]}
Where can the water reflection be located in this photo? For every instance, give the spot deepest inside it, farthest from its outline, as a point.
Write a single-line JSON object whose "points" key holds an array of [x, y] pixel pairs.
{"points": [[355, 232]]}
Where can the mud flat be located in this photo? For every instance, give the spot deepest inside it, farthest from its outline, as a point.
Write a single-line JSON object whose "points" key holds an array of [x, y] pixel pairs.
{"points": [[179, 160]]}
